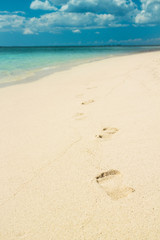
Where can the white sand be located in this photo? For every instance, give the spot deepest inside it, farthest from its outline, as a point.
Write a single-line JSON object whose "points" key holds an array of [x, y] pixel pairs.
{"points": [[52, 148]]}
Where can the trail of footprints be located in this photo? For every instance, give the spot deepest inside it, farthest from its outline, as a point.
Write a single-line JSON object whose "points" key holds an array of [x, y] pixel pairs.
{"points": [[81, 116], [110, 181]]}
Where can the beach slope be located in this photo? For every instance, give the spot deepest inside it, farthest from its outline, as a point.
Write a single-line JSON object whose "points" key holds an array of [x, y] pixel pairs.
{"points": [[80, 153]]}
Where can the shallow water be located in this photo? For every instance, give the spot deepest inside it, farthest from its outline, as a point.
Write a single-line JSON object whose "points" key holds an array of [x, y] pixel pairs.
{"points": [[25, 63]]}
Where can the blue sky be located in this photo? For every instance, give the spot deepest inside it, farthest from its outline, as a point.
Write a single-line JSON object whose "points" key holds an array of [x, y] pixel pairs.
{"points": [[79, 22]]}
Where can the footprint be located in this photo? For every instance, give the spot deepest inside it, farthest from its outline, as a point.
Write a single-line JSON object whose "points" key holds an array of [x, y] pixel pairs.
{"points": [[107, 132], [112, 183], [80, 95], [19, 234], [79, 116], [90, 88], [88, 102]]}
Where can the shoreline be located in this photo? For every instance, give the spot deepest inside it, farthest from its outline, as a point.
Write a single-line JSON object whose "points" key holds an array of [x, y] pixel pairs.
{"points": [[80, 153], [40, 73]]}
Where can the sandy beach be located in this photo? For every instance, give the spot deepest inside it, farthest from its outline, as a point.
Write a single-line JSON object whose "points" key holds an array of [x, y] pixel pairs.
{"points": [[80, 153]]}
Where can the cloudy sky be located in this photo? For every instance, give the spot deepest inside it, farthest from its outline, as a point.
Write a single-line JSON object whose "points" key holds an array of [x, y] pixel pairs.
{"points": [[79, 22]]}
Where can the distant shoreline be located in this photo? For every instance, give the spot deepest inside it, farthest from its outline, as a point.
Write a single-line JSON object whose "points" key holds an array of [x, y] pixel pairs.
{"points": [[77, 46], [44, 72]]}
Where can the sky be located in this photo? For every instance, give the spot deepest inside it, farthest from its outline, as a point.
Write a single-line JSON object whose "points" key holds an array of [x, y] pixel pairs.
{"points": [[79, 22]]}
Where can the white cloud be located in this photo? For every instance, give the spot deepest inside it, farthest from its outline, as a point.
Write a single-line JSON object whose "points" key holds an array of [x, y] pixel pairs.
{"points": [[104, 19], [136, 41], [4, 12], [76, 31], [60, 20], [27, 31], [150, 12], [125, 9], [11, 13], [155, 41], [81, 14], [98, 5], [58, 2], [20, 12], [43, 5], [11, 22]]}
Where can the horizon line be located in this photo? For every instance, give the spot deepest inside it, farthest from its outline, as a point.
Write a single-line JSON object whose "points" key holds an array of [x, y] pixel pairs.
{"points": [[107, 45]]}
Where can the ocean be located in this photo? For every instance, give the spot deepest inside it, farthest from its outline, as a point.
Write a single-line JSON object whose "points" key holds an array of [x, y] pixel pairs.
{"points": [[25, 64]]}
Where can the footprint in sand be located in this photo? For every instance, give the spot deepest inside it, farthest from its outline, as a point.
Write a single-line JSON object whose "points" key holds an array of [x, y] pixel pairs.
{"points": [[112, 183], [107, 133], [88, 102], [80, 95], [19, 234], [79, 116], [90, 88]]}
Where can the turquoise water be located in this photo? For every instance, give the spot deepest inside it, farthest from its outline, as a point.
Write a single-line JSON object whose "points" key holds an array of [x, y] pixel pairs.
{"points": [[25, 63]]}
